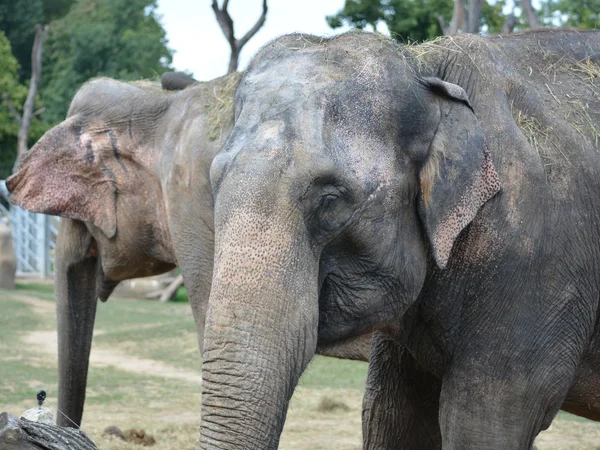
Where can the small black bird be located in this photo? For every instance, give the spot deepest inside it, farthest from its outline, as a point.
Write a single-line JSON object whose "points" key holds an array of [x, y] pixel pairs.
{"points": [[41, 397]]}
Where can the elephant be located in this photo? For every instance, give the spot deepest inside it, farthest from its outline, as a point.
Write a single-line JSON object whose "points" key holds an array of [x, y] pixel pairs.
{"points": [[148, 152], [444, 196], [128, 171]]}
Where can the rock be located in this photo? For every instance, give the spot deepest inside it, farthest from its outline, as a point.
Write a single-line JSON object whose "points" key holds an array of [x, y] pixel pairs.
{"points": [[113, 431], [40, 415], [22, 434], [139, 437], [8, 259]]}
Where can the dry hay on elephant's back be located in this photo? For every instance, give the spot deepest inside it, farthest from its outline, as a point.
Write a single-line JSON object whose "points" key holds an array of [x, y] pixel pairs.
{"points": [[149, 85], [535, 133], [219, 110], [579, 117]]}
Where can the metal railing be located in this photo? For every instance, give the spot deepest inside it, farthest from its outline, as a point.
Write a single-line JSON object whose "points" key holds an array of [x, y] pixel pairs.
{"points": [[34, 238]]}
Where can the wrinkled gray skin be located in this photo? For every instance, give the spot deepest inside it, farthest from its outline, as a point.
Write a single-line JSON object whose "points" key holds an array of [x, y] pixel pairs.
{"points": [[129, 169], [159, 165], [446, 196]]}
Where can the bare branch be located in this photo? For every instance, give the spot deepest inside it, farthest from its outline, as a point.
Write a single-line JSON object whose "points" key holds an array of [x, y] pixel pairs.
{"points": [[36, 73], [39, 111], [509, 24], [260, 22], [225, 21], [12, 108], [532, 19]]}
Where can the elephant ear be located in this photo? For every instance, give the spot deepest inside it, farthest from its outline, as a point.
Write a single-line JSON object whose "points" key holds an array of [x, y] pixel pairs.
{"points": [[68, 174], [458, 176]]}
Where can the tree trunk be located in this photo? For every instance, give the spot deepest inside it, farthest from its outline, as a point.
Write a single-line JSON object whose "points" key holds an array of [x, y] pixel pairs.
{"points": [[474, 15], [36, 72], [509, 24], [234, 59], [532, 19], [21, 434], [458, 18]]}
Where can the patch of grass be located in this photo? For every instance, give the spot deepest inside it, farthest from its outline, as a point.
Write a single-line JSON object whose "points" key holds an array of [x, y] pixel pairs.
{"points": [[41, 288], [330, 404], [325, 411], [325, 372]]}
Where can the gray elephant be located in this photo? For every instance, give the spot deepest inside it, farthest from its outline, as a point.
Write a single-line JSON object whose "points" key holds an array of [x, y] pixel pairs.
{"points": [[446, 195], [130, 168]]}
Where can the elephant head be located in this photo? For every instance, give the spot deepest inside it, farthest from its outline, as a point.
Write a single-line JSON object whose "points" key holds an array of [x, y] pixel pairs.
{"points": [[347, 176], [99, 169]]}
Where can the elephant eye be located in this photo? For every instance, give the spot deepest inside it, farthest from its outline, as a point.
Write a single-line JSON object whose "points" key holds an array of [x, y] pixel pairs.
{"points": [[331, 210], [327, 200]]}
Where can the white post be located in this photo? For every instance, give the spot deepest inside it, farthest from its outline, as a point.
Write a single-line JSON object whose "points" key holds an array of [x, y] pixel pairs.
{"points": [[42, 244]]}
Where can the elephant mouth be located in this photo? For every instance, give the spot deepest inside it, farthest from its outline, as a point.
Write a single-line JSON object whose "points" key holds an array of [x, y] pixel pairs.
{"points": [[104, 286]]}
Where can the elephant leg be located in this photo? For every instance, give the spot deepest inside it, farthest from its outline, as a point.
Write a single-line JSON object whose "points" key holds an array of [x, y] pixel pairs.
{"points": [[499, 405], [197, 276], [76, 301], [400, 406], [583, 398]]}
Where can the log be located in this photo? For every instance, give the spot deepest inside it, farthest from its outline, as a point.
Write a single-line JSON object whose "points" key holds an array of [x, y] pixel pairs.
{"points": [[22, 434], [171, 289]]}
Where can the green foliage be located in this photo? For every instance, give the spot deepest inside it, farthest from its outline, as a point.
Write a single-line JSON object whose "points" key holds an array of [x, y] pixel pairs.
{"points": [[492, 18], [17, 21], [418, 20], [17, 93], [583, 14], [407, 20], [114, 38]]}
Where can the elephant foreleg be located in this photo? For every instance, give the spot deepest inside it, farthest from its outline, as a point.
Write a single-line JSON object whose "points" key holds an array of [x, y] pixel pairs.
{"points": [[401, 402]]}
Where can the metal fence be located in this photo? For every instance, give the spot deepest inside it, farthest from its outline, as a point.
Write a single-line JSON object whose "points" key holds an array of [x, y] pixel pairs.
{"points": [[34, 238]]}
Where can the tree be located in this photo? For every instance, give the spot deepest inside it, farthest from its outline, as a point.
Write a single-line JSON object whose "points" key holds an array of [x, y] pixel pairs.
{"points": [[13, 93], [407, 20], [419, 20], [115, 38], [572, 13], [24, 119], [18, 19], [226, 23]]}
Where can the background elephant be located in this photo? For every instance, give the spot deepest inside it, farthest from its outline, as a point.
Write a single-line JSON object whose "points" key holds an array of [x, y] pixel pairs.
{"points": [[445, 195], [128, 169]]}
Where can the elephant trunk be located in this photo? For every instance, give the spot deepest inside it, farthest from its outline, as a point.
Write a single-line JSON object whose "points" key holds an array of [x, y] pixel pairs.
{"points": [[76, 300], [261, 330]]}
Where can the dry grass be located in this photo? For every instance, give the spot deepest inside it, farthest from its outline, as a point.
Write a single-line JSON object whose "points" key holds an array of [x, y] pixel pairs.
{"points": [[219, 111], [330, 404], [325, 411]]}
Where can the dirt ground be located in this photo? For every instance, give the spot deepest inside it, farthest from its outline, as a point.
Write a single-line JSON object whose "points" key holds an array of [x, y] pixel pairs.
{"points": [[144, 373]]}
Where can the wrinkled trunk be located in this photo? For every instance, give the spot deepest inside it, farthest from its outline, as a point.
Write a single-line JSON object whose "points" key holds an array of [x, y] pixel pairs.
{"points": [[261, 329], [76, 301]]}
